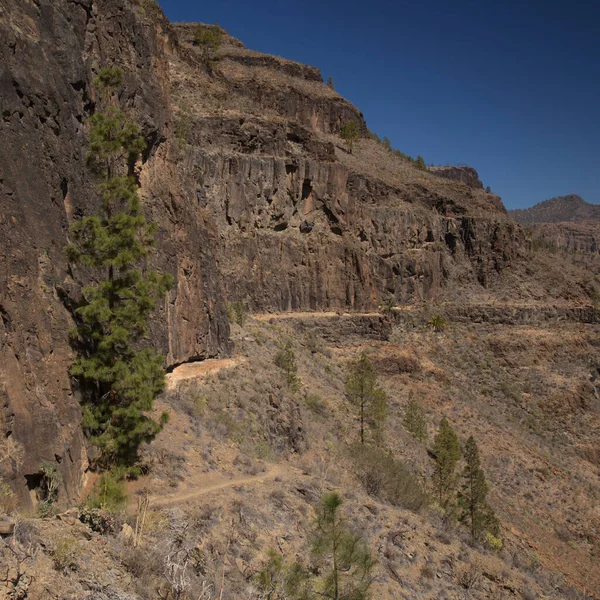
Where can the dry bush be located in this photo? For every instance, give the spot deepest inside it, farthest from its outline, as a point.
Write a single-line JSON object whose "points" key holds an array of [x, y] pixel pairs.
{"points": [[387, 478], [469, 577], [65, 553], [395, 365]]}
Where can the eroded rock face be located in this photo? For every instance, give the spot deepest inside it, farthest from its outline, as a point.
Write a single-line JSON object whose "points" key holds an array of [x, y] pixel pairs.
{"points": [[466, 175], [53, 49]]}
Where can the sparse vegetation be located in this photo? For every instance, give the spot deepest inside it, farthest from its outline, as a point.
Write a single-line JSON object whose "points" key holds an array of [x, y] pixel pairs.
{"points": [[386, 478]]}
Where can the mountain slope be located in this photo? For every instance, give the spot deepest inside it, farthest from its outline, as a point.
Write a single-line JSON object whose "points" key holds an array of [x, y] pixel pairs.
{"points": [[557, 210]]}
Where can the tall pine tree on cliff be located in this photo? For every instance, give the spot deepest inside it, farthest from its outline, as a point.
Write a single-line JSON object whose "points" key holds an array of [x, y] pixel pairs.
{"points": [[119, 378]]}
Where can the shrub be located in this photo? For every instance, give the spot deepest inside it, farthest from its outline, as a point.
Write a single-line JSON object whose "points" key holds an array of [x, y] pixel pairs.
{"points": [[437, 323], [315, 403], [414, 419], [7, 499], [492, 542], [387, 478], [420, 163], [239, 313], [109, 493], [65, 554], [98, 520]]}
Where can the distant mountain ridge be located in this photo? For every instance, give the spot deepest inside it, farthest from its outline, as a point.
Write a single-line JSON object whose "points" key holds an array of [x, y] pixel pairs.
{"points": [[557, 210]]}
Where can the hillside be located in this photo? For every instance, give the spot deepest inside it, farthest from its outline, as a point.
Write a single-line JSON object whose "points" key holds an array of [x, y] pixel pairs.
{"points": [[566, 223], [259, 203], [557, 210]]}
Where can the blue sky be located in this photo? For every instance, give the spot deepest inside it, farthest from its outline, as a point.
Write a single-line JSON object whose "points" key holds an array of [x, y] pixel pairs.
{"points": [[509, 87]]}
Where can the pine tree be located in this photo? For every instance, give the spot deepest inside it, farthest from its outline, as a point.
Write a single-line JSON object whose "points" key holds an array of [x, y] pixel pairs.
{"points": [[446, 450], [341, 553], [363, 392], [209, 39], [414, 419], [420, 163], [119, 379], [285, 359], [349, 133], [330, 83], [472, 499]]}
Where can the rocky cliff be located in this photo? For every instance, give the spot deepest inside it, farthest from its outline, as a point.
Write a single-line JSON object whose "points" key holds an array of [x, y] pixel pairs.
{"points": [[49, 53], [255, 196]]}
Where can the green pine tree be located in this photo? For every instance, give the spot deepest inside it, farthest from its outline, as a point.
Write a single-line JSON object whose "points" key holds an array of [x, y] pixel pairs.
{"points": [[118, 377], [209, 38], [414, 419], [349, 133], [342, 556], [285, 359], [420, 163], [446, 450], [472, 499], [371, 400]]}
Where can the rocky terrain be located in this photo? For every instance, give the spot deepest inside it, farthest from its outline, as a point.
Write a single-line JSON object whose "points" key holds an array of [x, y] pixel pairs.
{"points": [[567, 223], [258, 201]]}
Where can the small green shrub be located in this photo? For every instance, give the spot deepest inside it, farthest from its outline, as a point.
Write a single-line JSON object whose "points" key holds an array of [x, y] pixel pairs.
{"points": [[315, 403], [492, 542], [437, 323], [414, 419], [109, 493]]}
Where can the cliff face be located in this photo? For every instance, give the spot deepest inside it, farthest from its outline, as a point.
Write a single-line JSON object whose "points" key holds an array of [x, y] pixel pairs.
{"points": [[303, 224], [255, 197], [51, 52]]}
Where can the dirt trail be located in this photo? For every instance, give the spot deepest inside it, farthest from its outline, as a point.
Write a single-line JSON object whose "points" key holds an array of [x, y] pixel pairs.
{"points": [[198, 489], [200, 368], [310, 314]]}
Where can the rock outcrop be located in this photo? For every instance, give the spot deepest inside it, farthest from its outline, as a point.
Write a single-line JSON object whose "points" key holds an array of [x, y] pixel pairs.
{"points": [[466, 175]]}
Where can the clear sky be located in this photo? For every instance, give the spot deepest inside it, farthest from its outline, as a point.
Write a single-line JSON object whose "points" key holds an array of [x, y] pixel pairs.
{"points": [[509, 87]]}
